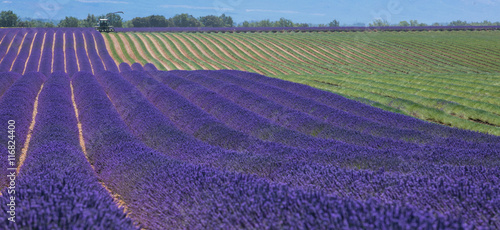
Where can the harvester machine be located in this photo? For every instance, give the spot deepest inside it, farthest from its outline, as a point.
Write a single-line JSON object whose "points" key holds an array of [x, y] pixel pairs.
{"points": [[104, 26]]}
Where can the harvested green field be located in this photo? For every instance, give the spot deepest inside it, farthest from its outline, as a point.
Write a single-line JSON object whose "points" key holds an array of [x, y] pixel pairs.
{"points": [[447, 77]]}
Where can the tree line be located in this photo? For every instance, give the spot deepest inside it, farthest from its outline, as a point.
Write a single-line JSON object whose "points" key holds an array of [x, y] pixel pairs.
{"points": [[10, 19], [380, 22]]}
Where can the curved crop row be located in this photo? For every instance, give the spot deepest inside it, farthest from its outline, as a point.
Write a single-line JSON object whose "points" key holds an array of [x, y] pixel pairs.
{"points": [[314, 176], [287, 117], [361, 109], [47, 54], [9, 58], [56, 172], [196, 197], [36, 52]]}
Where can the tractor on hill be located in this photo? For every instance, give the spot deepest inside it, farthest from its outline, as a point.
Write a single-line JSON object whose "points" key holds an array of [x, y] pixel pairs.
{"points": [[103, 25]]}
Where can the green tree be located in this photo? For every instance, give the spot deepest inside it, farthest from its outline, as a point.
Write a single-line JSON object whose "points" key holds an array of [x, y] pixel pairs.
{"points": [[334, 23], [8, 19], [68, 22], [116, 20], [458, 23], [157, 21], [139, 22], [227, 21], [264, 23], [283, 22], [185, 20], [435, 24], [379, 23], [404, 23], [212, 21], [90, 21]]}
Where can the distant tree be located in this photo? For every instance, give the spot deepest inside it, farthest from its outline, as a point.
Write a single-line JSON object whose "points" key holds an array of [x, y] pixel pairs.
{"points": [[128, 24], [90, 21], [227, 21], [264, 23], [245, 24], [334, 23], [211, 21], [185, 20], [436, 24], [24, 24], [283, 22], [301, 25], [68, 22], [49, 25], [116, 20], [157, 21], [379, 23], [140, 22], [458, 23], [404, 23], [8, 19]]}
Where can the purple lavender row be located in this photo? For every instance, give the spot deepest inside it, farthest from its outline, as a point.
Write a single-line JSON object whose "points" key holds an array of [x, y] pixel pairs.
{"points": [[239, 118], [250, 123], [194, 121], [10, 57], [2, 34], [6, 80], [153, 128], [107, 60], [191, 119], [302, 29], [331, 115], [439, 187], [298, 173], [70, 53], [17, 105], [199, 197], [56, 187], [4, 45], [157, 129], [58, 60], [95, 59], [23, 55], [46, 59], [452, 135], [289, 118], [81, 53], [36, 52]]}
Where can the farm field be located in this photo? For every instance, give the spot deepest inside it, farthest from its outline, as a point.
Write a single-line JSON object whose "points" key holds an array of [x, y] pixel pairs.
{"points": [[192, 131], [438, 76]]}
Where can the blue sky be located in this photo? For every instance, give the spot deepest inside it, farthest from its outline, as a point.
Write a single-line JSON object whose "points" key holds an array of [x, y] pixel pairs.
{"points": [[346, 11]]}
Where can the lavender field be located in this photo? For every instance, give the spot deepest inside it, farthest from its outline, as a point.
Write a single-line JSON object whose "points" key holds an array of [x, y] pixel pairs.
{"points": [[96, 145]]}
